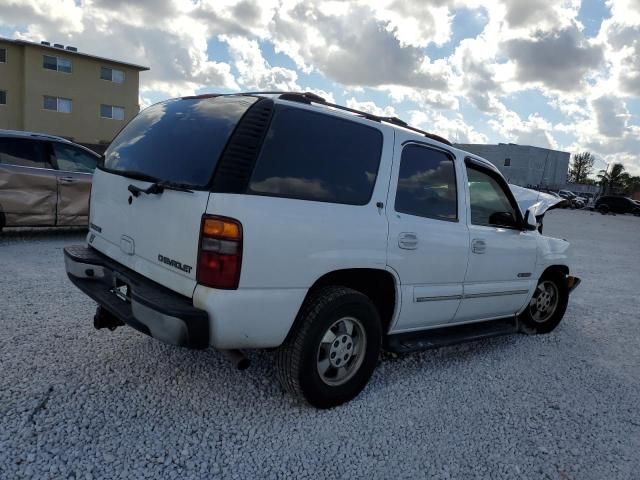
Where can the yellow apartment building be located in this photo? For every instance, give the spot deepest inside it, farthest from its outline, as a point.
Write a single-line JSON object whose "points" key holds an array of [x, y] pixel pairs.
{"points": [[57, 90]]}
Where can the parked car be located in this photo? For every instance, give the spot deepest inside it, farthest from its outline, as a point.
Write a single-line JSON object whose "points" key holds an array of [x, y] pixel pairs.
{"points": [[564, 203], [573, 200], [44, 180], [610, 203], [286, 222]]}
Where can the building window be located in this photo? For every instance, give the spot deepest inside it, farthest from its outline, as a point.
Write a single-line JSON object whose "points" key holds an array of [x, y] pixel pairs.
{"points": [[112, 75], [3, 55], [57, 104], [3, 97], [507, 162], [56, 63], [109, 111]]}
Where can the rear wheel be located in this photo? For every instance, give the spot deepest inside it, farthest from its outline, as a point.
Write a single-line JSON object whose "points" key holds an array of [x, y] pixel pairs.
{"points": [[333, 348], [548, 304], [603, 209]]}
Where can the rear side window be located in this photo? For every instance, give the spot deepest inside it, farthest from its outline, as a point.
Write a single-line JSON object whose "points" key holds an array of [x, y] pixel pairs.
{"points": [[178, 140], [23, 153], [313, 156], [74, 159], [427, 184]]}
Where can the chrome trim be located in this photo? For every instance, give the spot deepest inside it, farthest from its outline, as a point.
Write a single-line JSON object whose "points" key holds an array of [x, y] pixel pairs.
{"points": [[495, 294], [84, 270], [441, 297], [470, 295]]}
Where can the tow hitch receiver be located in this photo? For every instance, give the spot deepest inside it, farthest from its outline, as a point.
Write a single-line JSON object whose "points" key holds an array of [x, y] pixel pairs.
{"points": [[104, 319]]}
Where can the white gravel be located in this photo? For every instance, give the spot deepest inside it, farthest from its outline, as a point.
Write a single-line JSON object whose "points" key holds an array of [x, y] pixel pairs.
{"points": [[81, 403]]}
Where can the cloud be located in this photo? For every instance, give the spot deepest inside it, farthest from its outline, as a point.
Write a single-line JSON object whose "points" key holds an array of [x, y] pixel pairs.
{"points": [[455, 129], [540, 15], [559, 60], [417, 59], [611, 115], [371, 107], [369, 55], [254, 73]]}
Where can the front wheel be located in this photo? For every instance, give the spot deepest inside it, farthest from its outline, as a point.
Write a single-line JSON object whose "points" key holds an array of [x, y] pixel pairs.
{"points": [[548, 304], [332, 349]]}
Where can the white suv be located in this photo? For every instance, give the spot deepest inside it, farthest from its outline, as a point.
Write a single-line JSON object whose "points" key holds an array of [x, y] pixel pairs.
{"points": [[281, 221]]}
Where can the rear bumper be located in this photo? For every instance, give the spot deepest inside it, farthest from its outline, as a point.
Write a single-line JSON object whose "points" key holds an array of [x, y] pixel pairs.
{"points": [[137, 301]]}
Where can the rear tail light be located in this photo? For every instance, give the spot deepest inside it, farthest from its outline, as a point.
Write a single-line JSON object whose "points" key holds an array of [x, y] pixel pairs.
{"points": [[220, 253]]}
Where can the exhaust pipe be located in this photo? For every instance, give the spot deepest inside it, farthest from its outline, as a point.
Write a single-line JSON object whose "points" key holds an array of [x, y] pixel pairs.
{"points": [[104, 319], [238, 358]]}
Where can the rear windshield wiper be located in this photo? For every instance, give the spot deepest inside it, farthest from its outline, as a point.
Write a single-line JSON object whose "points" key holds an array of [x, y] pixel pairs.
{"points": [[157, 188], [135, 175]]}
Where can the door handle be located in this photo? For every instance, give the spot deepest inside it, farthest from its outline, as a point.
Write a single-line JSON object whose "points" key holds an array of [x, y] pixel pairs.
{"points": [[67, 180], [408, 241], [478, 245]]}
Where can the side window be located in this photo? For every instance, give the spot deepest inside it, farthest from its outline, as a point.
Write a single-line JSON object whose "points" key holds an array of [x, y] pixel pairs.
{"points": [[427, 184], [73, 159], [314, 156], [23, 153], [489, 202]]}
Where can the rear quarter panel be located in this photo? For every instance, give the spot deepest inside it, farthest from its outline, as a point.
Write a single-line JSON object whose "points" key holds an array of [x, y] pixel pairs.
{"points": [[287, 245]]}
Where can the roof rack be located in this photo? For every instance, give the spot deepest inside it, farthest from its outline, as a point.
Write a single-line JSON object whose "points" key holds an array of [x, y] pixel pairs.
{"points": [[310, 97]]}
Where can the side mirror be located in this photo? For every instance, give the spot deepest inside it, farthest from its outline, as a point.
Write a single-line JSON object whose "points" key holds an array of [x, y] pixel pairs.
{"points": [[530, 222]]}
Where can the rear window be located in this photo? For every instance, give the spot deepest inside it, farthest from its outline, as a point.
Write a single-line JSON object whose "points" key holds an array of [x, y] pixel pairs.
{"points": [[313, 156], [178, 140]]}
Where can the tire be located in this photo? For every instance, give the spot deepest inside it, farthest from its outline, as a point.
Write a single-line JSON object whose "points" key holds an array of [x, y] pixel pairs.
{"points": [[603, 209], [303, 355], [536, 320]]}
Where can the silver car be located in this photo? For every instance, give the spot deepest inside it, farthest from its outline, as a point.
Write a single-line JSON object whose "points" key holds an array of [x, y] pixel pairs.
{"points": [[44, 180]]}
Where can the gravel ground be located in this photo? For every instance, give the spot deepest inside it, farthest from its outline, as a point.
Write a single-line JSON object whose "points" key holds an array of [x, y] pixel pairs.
{"points": [[81, 403]]}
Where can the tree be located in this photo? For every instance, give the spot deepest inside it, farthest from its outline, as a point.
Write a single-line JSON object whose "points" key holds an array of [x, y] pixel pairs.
{"points": [[614, 180], [581, 167], [632, 185]]}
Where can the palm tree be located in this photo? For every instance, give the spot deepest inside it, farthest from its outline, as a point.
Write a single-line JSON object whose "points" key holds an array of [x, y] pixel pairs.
{"points": [[614, 180]]}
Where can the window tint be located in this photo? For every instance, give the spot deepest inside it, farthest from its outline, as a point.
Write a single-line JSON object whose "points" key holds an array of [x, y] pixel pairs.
{"points": [[427, 184], [73, 159], [3, 55], [489, 203], [3, 97], [178, 140], [313, 156], [23, 152]]}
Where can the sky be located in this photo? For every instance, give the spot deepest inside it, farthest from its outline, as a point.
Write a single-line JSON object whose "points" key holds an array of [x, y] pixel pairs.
{"points": [[563, 74]]}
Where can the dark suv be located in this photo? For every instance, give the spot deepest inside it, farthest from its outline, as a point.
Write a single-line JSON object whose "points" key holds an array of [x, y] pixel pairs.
{"points": [[613, 204]]}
